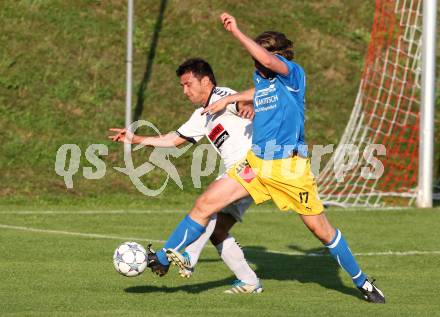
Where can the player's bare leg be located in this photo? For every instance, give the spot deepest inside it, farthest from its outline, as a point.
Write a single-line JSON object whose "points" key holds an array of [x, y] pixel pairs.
{"points": [[225, 222], [320, 227], [218, 195]]}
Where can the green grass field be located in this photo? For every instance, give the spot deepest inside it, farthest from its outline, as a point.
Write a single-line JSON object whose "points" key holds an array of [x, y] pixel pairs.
{"points": [[58, 262], [62, 80]]}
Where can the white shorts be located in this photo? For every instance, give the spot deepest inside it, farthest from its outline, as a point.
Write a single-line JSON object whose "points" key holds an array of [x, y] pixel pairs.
{"points": [[238, 208]]}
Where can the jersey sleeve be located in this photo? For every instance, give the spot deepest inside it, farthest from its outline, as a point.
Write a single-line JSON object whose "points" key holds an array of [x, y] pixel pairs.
{"points": [[233, 108], [295, 79], [222, 92], [193, 130]]}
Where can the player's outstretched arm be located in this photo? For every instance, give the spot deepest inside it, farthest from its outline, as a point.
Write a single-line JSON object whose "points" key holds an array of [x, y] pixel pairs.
{"points": [[168, 140], [258, 52], [219, 105]]}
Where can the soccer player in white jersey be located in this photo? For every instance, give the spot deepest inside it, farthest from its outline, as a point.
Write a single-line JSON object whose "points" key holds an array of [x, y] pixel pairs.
{"points": [[230, 132]]}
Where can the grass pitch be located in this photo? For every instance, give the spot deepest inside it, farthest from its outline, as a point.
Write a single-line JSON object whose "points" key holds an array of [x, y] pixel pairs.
{"points": [[58, 262]]}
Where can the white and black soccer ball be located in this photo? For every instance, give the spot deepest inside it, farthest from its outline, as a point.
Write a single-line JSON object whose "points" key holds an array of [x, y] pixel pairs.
{"points": [[130, 259]]}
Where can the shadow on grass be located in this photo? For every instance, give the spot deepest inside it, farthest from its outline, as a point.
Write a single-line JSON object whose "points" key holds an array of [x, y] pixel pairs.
{"points": [[322, 270], [150, 60], [190, 288]]}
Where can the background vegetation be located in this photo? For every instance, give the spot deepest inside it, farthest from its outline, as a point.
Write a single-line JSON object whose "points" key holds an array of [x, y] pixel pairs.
{"points": [[62, 80]]}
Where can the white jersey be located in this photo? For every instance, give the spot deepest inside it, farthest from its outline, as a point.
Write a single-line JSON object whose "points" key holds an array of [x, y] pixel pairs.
{"points": [[230, 134]]}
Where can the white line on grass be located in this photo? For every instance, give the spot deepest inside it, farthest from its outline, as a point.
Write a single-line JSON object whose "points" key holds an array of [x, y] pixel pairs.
{"points": [[384, 253], [102, 236], [113, 212], [78, 234], [90, 212], [167, 211]]}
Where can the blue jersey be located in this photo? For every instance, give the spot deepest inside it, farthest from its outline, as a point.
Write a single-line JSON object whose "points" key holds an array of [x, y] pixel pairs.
{"points": [[278, 129]]}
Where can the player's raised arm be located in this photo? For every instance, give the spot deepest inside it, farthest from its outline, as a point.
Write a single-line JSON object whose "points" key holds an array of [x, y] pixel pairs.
{"points": [[244, 96], [258, 53], [168, 140]]}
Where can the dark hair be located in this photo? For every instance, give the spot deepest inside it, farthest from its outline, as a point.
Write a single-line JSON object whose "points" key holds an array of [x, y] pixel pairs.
{"points": [[276, 43], [199, 67]]}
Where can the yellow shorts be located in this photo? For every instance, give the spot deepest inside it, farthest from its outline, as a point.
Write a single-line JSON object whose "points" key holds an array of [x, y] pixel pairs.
{"points": [[288, 182]]}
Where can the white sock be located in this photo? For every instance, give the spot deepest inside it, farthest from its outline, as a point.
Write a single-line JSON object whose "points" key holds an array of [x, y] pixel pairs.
{"points": [[233, 256], [195, 248]]}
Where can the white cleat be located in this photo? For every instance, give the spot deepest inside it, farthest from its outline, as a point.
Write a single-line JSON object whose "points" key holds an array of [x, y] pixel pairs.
{"points": [[182, 261], [239, 287]]}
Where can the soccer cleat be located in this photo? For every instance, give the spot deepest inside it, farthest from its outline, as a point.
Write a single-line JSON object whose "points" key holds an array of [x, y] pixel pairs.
{"points": [[239, 287], [182, 261], [371, 292], [154, 264]]}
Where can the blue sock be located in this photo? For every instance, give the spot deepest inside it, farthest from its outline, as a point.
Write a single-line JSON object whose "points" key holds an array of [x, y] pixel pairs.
{"points": [[186, 232], [341, 252]]}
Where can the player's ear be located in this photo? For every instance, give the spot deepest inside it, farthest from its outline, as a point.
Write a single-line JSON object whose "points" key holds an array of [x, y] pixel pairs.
{"points": [[205, 81]]}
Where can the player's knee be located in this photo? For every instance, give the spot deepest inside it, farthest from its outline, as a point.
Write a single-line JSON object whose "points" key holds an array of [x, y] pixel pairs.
{"points": [[323, 233], [322, 229], [201, 206]]}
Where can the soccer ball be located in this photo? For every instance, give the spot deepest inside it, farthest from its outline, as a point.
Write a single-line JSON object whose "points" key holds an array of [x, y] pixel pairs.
{"points": [[130, 259]]}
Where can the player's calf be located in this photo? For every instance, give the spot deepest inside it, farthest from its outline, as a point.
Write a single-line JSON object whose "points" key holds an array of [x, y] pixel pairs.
{"points": [[339, 249]]}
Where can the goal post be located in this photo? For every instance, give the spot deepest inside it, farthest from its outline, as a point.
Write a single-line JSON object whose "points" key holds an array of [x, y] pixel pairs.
{"points": [[389, 110], [426, 156], [129, 73]]}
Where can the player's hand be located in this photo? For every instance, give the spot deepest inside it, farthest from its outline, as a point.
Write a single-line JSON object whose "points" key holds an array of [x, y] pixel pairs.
{"points": [[122, 135], [246, 111], [215, 107], [229, 22]]}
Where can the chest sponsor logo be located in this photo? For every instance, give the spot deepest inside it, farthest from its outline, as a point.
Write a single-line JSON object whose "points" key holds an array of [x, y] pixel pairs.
{"points": [[218, 135], [215, 132], [266, 99], [266, 91]]}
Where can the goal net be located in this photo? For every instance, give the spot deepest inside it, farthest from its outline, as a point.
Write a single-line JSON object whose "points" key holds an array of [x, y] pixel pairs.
{"points": [[386, 112]]}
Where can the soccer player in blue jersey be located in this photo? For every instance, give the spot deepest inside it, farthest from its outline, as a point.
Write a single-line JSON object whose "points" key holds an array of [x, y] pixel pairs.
{"points": [[277, 166]]}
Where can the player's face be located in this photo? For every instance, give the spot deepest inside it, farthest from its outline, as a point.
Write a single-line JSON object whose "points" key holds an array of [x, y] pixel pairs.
{"points": [[265, 72], [193, 88]]}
